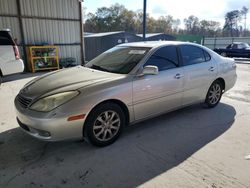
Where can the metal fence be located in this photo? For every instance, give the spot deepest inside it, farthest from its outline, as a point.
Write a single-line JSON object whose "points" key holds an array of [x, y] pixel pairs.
{"points": [[222, 42]]}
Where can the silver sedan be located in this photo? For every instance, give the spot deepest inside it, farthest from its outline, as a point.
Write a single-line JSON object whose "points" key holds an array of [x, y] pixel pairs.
{"points": [[124, 85]]}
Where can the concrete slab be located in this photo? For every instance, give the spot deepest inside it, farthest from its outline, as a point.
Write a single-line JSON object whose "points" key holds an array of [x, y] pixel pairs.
{"points": [[192, 147]]}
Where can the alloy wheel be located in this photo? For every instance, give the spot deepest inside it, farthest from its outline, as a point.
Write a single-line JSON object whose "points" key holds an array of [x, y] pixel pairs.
{"points": [[106, 125], [214, 94]]}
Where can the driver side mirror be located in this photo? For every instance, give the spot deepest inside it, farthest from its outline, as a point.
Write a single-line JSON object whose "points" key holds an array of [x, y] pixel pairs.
{"points": [[150, 70]]}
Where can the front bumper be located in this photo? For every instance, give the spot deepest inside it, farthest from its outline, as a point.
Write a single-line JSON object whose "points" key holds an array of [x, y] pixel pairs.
{"points": [[48, 128]]}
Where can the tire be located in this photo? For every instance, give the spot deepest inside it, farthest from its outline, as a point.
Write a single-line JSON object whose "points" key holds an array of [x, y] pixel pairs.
{"points": [[224, 54], [1, 79], [104, 124], [214, 94]]}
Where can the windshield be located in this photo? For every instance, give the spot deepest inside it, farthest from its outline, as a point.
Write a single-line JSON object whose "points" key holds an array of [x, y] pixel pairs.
{"points": [[118, 59]]}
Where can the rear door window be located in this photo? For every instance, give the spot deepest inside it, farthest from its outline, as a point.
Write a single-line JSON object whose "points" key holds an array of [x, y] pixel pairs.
{"points": [[192, 55], [207, 55], [241, 46], [5, 38], [164, 58]]}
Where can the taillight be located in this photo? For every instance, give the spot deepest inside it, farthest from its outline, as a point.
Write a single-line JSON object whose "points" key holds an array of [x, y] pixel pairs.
{"points": [[16, 52]]}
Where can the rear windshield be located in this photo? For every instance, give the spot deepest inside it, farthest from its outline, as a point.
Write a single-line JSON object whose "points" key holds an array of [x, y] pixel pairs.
{"points": [[119, 59], [5, 38], [245, 45]]}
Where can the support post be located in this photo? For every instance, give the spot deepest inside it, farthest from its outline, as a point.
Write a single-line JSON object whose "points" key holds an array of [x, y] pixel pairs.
{"points": [[82, 32], [144, 19], [19, 14]]}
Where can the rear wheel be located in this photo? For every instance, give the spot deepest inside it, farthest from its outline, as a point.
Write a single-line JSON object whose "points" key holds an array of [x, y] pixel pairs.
{"points": [[104, 124], [214, 94]]}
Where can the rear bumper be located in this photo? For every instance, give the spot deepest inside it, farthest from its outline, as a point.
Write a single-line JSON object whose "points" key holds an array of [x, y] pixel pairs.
{"points": [[17, 66], [230, 82], [21, 67]]}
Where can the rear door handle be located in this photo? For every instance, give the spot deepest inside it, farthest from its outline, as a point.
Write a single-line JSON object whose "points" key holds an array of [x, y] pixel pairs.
{"points": [[178, 76], [211, 69]]}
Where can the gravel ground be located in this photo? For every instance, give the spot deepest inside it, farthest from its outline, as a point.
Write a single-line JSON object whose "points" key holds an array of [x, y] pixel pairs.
{"points": [[192, 147]]}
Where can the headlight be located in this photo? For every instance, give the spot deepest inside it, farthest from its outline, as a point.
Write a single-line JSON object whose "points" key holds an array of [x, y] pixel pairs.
{"points": [[49, 103]]}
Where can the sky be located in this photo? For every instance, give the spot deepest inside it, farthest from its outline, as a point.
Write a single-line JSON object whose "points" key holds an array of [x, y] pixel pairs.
{"points": [[210, 9]]}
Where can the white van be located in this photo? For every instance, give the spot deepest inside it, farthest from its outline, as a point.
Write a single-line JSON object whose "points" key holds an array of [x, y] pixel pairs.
{"points": [[10, 61]]}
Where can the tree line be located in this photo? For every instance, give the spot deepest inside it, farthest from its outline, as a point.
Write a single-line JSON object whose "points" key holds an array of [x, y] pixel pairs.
{"points": [[119, 18]]}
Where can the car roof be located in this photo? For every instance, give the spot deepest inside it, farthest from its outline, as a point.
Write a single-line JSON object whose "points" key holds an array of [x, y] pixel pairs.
{"points": [[5, 30], [154, 44], [239, 43]]}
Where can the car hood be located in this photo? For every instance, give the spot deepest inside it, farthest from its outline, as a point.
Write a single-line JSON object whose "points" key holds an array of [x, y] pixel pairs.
{"points": [[65, 80]]}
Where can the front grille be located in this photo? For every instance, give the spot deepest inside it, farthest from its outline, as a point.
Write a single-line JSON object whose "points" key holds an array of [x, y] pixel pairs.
{"points": [[24, 102]]}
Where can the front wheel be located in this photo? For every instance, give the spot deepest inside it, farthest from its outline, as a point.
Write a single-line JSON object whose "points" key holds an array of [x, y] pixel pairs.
{"points": [[1, 80], [104, 124], [214, 94]]}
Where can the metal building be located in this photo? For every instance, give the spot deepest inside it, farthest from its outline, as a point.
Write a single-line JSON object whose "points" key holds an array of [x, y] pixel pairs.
{"points": [[97, 43], [38, 22], [157, 36]]}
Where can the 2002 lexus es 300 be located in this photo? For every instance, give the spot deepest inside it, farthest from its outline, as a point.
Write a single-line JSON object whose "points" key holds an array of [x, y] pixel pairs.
{"points": [[126, 84]]}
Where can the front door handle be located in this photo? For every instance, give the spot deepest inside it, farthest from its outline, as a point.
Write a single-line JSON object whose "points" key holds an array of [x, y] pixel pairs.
{"points": [[211, 69], [178, 76]]}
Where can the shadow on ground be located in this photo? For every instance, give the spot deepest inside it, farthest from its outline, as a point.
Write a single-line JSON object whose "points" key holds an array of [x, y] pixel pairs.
{"points": [[143, 152]]}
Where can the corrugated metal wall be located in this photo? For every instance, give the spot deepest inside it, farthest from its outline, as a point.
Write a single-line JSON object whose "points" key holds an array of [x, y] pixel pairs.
{"points": [[11, 23], [51, 8], [45, 22], [222, 42], [8, 7], [92, 47], [71, 51], [95, 45], [51, 31]]}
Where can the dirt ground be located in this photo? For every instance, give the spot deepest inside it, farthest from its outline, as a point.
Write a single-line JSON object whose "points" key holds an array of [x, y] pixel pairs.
{"points": [[192, 147]]}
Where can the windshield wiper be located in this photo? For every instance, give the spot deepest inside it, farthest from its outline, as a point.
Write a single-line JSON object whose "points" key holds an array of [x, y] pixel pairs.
{"points": [[97, 67]]}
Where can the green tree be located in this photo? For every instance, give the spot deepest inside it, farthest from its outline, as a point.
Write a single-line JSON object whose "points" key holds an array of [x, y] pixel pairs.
{"points": [[128, 21], [117, 17], [232, 19], [175, 25], [163, 24], [244, 12], [209, 28], [192, 24], [109, 19]]}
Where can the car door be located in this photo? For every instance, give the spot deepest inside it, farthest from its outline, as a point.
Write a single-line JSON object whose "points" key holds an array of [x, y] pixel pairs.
{"points": [[199, 72], [155, 94], [242, 51], [236, 51]]}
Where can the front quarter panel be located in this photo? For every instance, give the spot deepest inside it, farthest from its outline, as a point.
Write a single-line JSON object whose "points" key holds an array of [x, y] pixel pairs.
{"points": [[56, 121], [95, 94]]}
